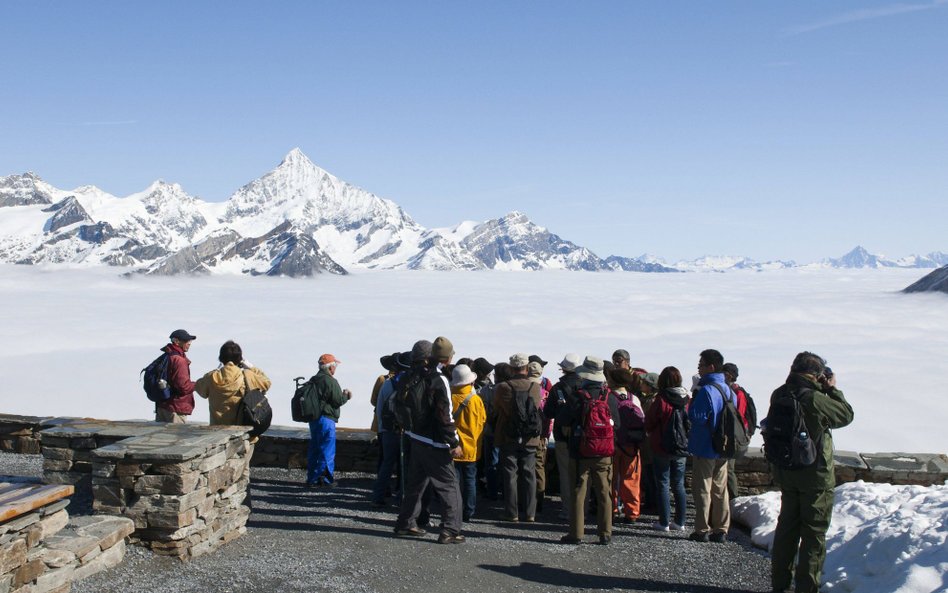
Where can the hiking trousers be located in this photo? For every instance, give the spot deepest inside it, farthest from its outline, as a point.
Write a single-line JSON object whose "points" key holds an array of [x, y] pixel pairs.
{"points": [[434, 467], [321, 454], [518, 471], [541, 466], [804, 518], [595, 473], [627, 472], [564, 469], [709, 487]]}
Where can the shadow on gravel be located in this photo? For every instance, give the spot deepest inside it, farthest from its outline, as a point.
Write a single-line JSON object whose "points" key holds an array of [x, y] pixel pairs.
{"points": [[557, 577]]}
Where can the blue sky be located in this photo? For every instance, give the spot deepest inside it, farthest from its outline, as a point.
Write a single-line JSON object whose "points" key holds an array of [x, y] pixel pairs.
{"points": [[791, 130]]}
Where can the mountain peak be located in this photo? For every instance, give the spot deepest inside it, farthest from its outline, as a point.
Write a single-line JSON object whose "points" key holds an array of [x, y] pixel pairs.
{"points": [[296, 157]]}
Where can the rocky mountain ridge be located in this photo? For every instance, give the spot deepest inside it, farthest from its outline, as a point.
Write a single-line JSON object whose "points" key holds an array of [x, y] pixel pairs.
{"points": [[299, 220]]}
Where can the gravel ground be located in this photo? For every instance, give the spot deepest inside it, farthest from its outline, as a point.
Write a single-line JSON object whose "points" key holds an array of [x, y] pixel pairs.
{"points": [[333, 540]]}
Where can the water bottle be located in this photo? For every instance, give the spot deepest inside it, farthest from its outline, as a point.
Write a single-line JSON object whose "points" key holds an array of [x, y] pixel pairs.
{"points": [[162, 384], [804, 436]]}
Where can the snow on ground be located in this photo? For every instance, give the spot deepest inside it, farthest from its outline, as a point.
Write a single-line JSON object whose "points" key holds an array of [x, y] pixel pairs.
{"points": [[882, 537]]}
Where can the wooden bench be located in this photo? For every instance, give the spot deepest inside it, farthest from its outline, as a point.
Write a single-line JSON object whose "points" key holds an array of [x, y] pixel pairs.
{"points": [[19, 496]]}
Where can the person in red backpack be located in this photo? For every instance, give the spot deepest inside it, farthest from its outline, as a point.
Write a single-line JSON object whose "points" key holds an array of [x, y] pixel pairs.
{"points": [[177, 409], [592, 443], [730, 376], [627, 461]]}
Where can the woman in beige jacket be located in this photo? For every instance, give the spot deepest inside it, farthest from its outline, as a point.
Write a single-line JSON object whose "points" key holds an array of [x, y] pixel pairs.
{"points": [[225, 386]]}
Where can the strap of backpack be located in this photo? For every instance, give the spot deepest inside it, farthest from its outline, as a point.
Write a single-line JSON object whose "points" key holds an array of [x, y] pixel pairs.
{"points": [[464, 403]]}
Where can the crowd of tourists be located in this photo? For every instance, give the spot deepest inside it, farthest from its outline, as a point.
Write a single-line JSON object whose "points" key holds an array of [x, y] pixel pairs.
{"points": [[451, 432]]}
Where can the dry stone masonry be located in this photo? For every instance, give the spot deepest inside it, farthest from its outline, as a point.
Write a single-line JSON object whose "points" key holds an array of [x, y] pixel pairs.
{"points": [[42, 550], [183, 486]]}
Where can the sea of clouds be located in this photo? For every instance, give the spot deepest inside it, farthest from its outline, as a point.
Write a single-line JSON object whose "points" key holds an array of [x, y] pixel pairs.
{"points": [[76, 339]]}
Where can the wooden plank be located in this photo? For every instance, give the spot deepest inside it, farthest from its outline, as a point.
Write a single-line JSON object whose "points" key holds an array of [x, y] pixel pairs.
{"points": [[20, 497]]}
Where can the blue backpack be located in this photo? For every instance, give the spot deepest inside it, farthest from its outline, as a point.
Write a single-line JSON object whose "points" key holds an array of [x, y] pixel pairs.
{"points": [[155, 379]]}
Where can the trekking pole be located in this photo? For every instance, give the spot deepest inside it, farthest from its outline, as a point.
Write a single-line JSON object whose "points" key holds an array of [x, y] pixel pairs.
{"points": [[297, 381], [401, 463]]}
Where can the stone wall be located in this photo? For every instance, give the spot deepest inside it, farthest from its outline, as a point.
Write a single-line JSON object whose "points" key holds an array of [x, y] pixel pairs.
{"points": [[182, 485], [44, 551], [285, 446]]}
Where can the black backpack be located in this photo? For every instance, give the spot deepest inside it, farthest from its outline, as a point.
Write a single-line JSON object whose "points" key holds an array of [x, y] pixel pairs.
{"points": [[409, 399], [254, 410], [155, 379], [730, 437], [675, 433], [305, 405], [525, 422], [387, 419], [788, 443], [750, 413]]}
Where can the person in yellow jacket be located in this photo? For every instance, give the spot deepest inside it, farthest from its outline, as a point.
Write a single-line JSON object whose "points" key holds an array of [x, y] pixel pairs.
{"points": [[224, 387], [469, 419]]}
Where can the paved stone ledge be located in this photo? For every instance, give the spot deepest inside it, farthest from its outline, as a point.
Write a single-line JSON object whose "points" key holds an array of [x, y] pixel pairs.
{"points": [[44, 551]]}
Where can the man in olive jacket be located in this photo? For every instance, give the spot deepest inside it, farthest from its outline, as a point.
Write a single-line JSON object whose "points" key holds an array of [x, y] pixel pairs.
{"points": [[518, 460], [806, 494], [321, 456]]}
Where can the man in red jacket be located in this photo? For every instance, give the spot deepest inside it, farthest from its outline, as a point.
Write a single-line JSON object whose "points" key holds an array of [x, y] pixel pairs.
{"points": [[177, 409]]}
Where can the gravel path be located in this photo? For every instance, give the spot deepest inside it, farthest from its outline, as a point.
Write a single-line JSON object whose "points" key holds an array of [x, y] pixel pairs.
{"points": [[333, 540]]}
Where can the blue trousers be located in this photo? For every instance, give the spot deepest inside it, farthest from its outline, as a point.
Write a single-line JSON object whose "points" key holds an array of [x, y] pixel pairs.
{"points": [[321, 457], [670, 472], [467, 480]]}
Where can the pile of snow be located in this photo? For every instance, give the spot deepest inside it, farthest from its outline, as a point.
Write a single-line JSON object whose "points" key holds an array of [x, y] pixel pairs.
{"points": [[882, 537]]}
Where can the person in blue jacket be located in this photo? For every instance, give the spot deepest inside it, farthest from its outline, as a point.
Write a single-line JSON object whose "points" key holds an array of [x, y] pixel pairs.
{"points": [[709, 470]]}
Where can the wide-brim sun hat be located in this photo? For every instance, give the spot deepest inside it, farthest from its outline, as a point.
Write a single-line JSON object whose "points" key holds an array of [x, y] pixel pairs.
{"points": [[591, 370], [462, 375]]}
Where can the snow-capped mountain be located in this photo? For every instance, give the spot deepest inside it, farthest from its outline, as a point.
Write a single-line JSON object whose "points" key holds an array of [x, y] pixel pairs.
{"points": [[300, 220]]}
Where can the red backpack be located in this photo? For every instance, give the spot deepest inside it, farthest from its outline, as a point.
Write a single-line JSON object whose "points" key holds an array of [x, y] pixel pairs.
{"points": [[596, 438]]}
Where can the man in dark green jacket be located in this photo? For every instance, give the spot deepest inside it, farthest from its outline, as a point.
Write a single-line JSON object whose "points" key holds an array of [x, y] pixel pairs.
{"points": [[321, 456], [806, 494]]}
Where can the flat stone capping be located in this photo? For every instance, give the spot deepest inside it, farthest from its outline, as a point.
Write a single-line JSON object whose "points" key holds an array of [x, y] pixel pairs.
{"points": [[22, 495], [182, 486]]}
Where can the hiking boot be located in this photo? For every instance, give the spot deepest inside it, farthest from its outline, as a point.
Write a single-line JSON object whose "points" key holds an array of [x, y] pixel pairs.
{"points": [[676, 527], [447, 538], [604, 540], [569, 539], [410, 532], [510, 519], [659, 527], [699, 537], [531, 519], [718, 538]]}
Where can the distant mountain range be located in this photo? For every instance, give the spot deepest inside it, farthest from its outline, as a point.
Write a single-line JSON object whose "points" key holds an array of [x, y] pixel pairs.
{"points": [[299, 220]]}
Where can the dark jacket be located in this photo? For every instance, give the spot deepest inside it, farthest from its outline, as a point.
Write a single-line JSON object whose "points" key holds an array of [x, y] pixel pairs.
{"points": [[330, 395], [179, 378], [433, 423], [503, 409], [659, 413], [822, 411], [560, 403]]}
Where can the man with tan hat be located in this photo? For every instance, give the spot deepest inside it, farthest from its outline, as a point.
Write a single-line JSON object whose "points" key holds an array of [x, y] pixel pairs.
{"points": [[321, 456], [517, 425], [558, 408], [591, 448], [434, 446]]}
